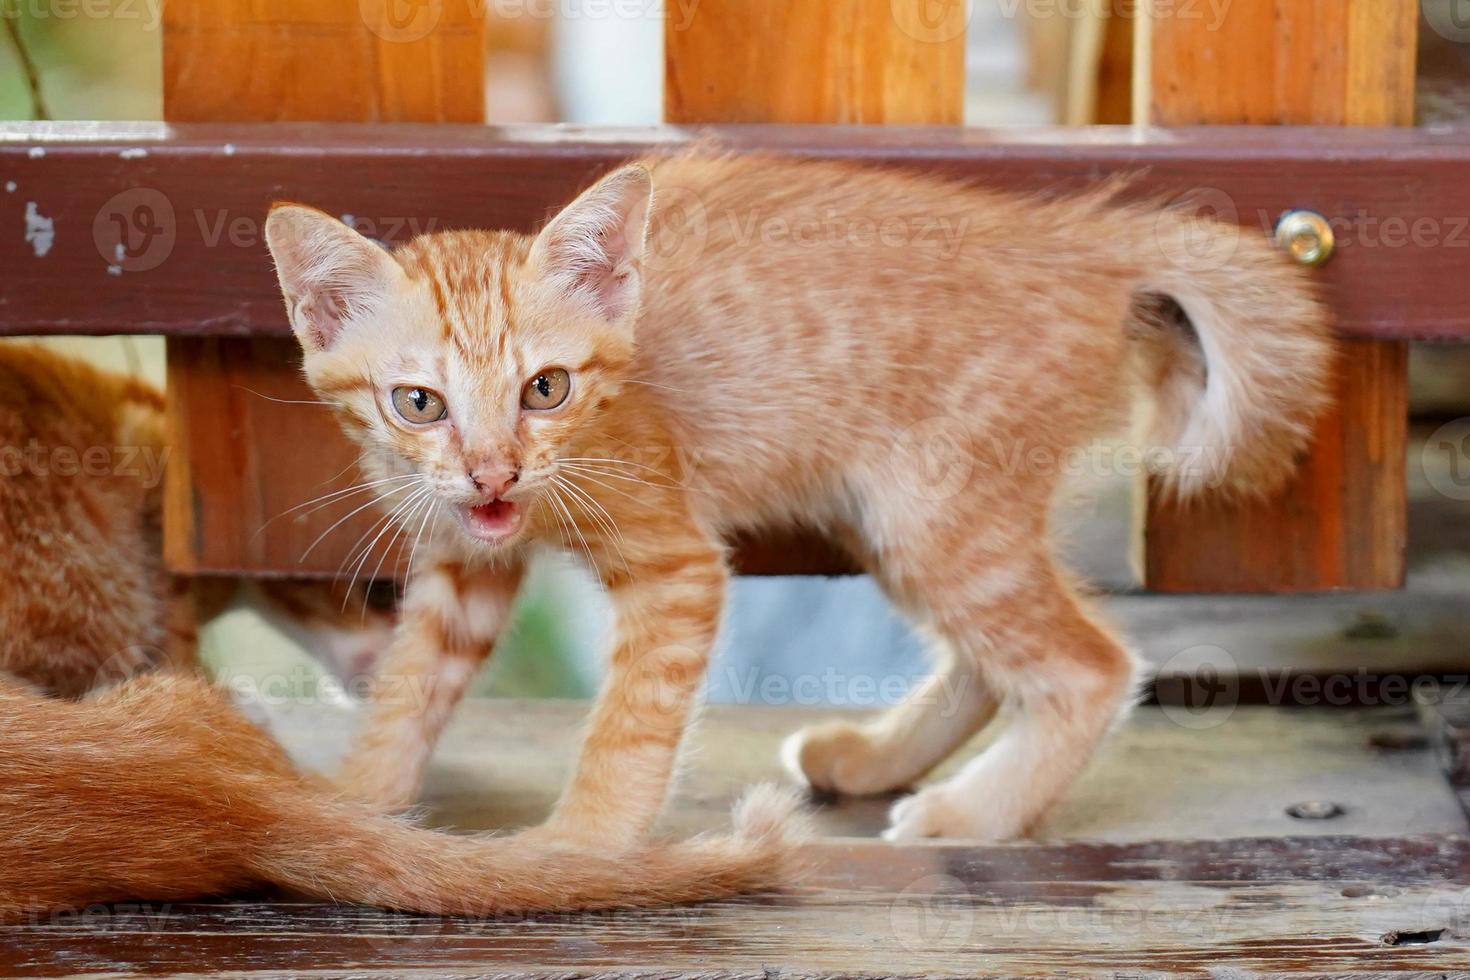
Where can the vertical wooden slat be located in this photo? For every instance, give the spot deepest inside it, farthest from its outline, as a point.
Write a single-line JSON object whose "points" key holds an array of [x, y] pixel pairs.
{"points": [[287, 60], [323, 60], [834, 61], [1341, 524], [1114, 102]]}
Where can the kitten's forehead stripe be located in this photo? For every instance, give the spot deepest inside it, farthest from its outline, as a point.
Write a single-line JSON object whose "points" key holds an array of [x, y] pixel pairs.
{"points": [[470, 275], [505, 307]]}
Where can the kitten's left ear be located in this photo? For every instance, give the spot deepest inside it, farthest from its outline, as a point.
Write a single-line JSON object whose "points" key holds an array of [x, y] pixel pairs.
{"points": [[329, 273], [593, 250]]}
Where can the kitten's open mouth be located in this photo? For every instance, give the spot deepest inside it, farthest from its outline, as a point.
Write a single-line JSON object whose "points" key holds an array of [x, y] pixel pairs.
{"points": [[493, 522]]}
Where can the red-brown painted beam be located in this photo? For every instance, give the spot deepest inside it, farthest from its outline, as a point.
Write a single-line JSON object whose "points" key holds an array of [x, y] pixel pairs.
{"points": [[185, 203]]}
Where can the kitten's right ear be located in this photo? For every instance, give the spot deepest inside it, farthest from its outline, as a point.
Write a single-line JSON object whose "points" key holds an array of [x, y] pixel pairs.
{"points": [[329, 274]]}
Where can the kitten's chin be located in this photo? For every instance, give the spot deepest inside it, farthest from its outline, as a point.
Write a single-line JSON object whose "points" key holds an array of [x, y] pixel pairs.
{"points": [[494, 523]]}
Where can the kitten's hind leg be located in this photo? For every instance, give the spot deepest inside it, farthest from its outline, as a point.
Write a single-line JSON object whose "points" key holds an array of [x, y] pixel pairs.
{"points": [[923, 563], [1067, 680], [901, 746], [451, 618]]}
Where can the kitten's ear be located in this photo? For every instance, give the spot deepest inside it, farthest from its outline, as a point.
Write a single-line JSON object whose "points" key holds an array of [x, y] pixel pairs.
{"points": [[328, 272], [593, 250]]}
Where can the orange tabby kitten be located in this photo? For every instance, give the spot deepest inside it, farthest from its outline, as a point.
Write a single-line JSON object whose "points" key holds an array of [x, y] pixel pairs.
{"points": [[704, 344]]}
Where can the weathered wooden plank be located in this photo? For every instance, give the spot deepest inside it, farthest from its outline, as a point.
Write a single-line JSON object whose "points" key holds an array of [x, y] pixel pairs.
{"points": [[1444, 711], [503, 763], [185, 203], [1254, 900], [1324, 907]]}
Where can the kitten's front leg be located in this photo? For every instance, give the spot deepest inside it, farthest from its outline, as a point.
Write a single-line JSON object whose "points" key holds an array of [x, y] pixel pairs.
{"points": [[452, 616], [668, 608]]}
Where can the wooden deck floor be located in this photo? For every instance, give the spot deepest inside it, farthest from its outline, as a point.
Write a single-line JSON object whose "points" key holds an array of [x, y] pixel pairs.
{"points": [[1175, 857]]}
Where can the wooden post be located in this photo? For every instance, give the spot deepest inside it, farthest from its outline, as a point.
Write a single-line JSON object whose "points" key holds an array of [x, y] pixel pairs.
{"points": [[1341, 524], [834, 61], [326, 61], [273, 61]]}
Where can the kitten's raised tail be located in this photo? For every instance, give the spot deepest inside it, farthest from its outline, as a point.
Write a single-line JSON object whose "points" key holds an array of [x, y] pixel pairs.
{"points": [[162, 791], [1237, 401]]}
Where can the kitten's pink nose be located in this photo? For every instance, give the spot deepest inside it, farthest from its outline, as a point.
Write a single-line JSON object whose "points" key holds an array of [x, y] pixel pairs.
{"points": [[494, 480]]}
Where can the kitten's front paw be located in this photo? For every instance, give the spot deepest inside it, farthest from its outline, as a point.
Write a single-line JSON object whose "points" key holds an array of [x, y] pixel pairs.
{"points": [[928, 813], [939, 811], [837, 757]]}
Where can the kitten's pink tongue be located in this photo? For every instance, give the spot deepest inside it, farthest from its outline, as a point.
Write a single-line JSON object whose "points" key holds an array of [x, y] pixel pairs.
{"points": [[495, 519]]}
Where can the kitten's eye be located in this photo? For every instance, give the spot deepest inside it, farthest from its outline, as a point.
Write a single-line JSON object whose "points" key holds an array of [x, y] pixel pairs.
{"points": [[419, 405], [547, 390]]}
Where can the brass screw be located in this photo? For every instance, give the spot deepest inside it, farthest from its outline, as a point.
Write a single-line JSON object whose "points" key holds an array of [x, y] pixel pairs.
{"points": [[1306, 236]]}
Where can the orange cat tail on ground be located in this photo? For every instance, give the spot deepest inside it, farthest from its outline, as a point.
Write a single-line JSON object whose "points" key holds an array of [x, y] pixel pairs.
{"points": [[1235, 403], [162, 791]]}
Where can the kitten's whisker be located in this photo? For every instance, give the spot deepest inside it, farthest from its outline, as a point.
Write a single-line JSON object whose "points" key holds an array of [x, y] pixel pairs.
{"points": [[655, 384], [566, 532], [394, 520], [613, 459], [605, 521], [430, 515], [335, 497], [543, 500], [587, 475], [353, 552], [628, 477], [421, 514], [280, 401], [338, 475], [360, 549], [592, 562], [583, 499], [421, 503], [342, 520], [401, 520]]}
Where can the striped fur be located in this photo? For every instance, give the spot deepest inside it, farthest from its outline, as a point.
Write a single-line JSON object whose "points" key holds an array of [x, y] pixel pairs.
{"points": [[906, 363]]}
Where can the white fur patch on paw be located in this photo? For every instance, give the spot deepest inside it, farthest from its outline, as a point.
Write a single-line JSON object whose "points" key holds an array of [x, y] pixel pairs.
{"points": [[928, 813]]}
